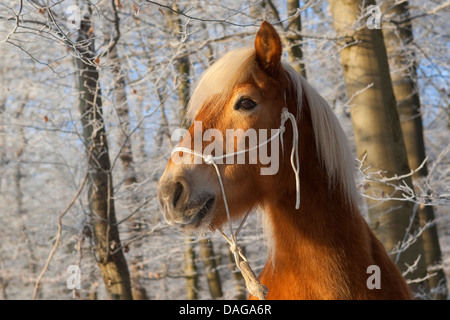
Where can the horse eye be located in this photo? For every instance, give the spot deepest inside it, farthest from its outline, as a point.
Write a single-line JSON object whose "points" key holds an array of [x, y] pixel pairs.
{"points": [[245, 104]]}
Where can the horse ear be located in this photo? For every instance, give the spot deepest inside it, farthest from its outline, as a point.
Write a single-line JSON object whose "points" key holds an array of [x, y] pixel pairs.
{"points": [[268, 48]]}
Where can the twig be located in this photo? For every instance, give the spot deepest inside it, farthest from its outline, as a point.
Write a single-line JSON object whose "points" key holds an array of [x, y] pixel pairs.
{"points": [[309, 4], [17, 17], [412, 172], [58, 236], [116, 38], [169, 7]]}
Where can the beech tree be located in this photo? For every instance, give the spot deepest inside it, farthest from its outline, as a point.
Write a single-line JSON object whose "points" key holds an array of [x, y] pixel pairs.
{"points": [[111, 260], [376, 126], [398, 38]]}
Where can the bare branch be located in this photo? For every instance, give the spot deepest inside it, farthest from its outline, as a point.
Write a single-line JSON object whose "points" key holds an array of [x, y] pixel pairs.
{"points": [[58, 236]]}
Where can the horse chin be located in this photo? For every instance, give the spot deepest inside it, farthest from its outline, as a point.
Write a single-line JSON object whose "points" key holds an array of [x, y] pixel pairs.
{"points": [[202, 219]]}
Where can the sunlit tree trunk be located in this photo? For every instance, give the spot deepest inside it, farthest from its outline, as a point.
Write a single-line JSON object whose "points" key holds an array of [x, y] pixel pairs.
{"points": [[398, 37], [377, 130], [109, 254]]}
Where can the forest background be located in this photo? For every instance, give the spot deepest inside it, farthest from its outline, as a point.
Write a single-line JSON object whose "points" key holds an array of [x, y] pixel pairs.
{"points": [[78, 183]]}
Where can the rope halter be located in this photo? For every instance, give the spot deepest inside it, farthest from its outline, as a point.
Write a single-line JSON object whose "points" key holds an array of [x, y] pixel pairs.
{"points": [[253, 285]]}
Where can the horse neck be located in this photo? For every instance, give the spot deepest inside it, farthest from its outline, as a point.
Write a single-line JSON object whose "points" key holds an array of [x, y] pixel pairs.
{"points": [[325, 216], [323, 249]]}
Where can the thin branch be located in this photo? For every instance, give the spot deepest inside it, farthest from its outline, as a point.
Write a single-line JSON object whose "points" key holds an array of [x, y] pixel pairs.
{"points": [[17, 16], [169, 7], [411, 173], [309, 4], [58, 236], [116, 38]]}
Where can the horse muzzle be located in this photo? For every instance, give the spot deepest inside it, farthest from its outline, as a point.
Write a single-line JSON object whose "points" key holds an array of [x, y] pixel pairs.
{"points": [[182, 206]]}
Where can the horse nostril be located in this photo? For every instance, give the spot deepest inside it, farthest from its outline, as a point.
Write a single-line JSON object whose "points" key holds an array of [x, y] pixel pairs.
{"points": [[178, 192]]}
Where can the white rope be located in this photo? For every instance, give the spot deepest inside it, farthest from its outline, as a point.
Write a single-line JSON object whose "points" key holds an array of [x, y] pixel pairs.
{"points": [[295, 163], [253, 285]]}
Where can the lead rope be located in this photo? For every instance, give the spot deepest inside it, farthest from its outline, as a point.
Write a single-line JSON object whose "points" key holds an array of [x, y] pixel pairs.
{"points": [[252, 283], [295, 162]]}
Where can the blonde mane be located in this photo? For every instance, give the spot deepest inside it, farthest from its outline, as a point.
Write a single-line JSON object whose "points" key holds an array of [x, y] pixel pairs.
{"points": [[221, 77], [332, 144]]}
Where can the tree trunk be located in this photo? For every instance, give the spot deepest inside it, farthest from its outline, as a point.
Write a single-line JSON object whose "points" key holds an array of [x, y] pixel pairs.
{"points": [[3, 160], [377, 131], [190, 270], [4, 278], [398, 37], [126, 158], [294, 39], [183, 87], [182, 66], [212, 274], [109, 254], [241, 289]]}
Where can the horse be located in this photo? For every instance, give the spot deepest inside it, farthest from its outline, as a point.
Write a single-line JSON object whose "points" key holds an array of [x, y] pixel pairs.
{"points": [[321, 247]]}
